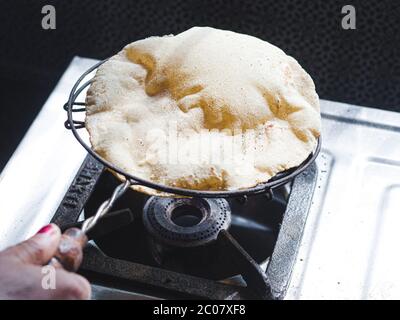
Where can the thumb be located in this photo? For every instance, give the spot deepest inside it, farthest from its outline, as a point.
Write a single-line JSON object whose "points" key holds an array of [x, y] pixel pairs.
{"points": [[38, 249]]}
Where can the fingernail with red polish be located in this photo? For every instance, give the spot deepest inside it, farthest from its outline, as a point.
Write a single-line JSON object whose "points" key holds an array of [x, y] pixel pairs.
{"points": [[45, 229]]}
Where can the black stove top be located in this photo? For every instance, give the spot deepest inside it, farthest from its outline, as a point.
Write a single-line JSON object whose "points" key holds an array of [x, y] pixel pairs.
{"points": [[251, 255]]}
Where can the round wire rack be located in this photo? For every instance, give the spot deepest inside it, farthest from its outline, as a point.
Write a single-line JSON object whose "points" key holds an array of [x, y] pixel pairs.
{"points": [[73, 106]]}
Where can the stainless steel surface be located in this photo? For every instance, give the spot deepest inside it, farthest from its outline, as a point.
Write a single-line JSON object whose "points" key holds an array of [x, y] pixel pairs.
{"points": [[350, 244], [349, 248], [38, 174]]}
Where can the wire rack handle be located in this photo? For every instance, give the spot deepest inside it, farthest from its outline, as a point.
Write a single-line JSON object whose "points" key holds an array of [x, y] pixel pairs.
{"points": [[105, 207]]}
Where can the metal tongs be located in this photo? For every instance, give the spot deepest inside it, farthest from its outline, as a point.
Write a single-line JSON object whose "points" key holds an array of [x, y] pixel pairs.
{"points": [[69, 253]]}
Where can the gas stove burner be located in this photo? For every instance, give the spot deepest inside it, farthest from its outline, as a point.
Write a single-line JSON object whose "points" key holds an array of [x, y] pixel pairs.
{"points": [[186, 222]]}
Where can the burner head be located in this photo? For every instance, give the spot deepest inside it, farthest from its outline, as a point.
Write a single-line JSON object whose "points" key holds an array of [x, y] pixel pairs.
{"points": [[186, 222]]}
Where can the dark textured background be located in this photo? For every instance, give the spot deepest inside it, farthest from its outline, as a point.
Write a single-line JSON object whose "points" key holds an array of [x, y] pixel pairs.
{"points": [[359, 66]]}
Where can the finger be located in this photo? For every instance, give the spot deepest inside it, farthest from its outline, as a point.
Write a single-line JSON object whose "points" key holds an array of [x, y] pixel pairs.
{"points": [[83, 289], [38, 249], [69, 253], [56, 284], [71, 286], [54, 262]]}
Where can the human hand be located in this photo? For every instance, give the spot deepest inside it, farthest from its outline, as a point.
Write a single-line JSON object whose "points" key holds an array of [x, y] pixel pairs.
{"points": [[21, 270]]}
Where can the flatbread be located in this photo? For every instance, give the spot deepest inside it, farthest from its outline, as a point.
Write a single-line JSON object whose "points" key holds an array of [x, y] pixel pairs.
{"points": [[206, 109]]}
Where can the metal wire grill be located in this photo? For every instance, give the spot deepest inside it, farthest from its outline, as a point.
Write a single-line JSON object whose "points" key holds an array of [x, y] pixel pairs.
{"points": [[72, 107]]}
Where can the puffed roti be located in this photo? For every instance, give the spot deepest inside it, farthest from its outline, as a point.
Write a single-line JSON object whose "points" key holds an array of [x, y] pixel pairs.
{"points": [[165, 109]]}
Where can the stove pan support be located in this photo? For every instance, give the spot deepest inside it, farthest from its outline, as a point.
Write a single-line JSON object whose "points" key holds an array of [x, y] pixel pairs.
{"points": [[79, 192], [273, 283], [270, 285], [250, 270], [284, 256], [95, 262], [147, 279]]}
